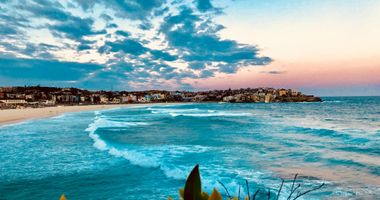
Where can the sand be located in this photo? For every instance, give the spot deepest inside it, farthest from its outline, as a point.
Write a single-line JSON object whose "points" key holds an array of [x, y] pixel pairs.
{"points": [[17, 115]]}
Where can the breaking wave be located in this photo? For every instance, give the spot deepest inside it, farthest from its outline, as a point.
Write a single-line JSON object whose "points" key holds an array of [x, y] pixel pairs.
{"points": [[150, 157], [196, 112]]}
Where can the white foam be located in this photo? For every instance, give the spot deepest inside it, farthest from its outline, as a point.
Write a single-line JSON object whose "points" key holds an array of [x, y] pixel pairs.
{"points": [[332, 101], [136, 158], [59, 116], [178, 173], [98, 143], [166, 110], [14, 124], [195, 112], [212, 114], [145, 156], [100, 122]]}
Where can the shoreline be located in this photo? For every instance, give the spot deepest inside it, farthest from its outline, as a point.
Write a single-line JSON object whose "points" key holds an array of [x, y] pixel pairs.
{"points": [[12, 116]]}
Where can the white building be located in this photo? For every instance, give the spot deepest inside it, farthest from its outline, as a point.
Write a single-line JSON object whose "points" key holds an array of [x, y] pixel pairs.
{"points": [[13, 101]]}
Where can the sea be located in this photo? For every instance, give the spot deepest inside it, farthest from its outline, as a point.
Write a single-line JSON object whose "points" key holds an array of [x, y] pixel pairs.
{"points": [[147, 151]]}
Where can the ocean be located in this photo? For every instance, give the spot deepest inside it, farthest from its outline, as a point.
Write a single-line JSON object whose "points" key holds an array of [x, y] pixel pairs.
{"points": [[146, 152]]}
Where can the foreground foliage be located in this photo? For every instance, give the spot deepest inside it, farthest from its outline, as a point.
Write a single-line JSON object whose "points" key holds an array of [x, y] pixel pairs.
{"points": [[193, 190]]}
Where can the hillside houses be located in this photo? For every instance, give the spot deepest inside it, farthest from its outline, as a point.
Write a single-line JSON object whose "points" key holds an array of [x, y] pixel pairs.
{"points": [[36, 96]]}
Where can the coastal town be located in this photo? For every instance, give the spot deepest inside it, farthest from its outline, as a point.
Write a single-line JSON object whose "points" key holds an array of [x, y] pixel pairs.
{"points": [[38, 96]]}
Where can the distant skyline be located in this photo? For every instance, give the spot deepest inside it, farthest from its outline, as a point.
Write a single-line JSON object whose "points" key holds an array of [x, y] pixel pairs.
{"points": [[321, 47]]}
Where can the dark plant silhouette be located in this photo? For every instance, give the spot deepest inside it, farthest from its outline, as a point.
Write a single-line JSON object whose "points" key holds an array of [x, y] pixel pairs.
{"points": [[193, 190]]}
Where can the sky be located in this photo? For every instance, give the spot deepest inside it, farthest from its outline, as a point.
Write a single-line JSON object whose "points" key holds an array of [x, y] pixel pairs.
{"points": [[321, 47]]}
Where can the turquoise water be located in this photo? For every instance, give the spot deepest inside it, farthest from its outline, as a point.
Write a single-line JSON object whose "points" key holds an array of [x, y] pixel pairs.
{"points": [[146, 152]]}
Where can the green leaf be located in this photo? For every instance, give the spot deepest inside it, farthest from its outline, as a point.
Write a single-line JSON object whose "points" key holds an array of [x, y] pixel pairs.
{"points": [[193, 189]]}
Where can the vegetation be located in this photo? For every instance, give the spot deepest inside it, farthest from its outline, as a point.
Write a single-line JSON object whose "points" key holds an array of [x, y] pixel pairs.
{"points": [[193, 190]]}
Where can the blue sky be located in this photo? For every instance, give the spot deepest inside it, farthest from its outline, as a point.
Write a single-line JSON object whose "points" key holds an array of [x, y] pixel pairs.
{"points": [[191, 44]]}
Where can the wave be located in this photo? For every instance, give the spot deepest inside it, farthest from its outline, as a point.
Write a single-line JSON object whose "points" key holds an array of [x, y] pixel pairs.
{"points": [[332, 101], [212, 114], [14, 124], [317, 131], [150, 157], [195, 112], [166, 110], [134, 157], [105, 123], [59, 116]]}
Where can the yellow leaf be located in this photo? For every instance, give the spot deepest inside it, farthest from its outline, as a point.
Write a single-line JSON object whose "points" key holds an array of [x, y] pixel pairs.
{"points": [[246, 198], [62, 197], [169, 198], [215, 195], [182, 193], [205, 196]]}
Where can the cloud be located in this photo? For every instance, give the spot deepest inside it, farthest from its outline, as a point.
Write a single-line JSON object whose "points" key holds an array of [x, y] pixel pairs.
{"points": [[122, 33], [7, 30], [158, 54], [36, 69], [201, 44], [129, 46], [133, 41], [51, 10], [131, 9], [204, 5], [273, 72], [206, 74], [76, 29]]}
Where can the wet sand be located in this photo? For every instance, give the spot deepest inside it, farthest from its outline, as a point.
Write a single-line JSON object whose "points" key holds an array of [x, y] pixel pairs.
{"points": [[18, 115]]}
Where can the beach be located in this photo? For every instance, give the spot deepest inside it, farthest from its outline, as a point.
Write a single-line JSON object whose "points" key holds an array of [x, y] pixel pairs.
{"points": [[10, 116]]}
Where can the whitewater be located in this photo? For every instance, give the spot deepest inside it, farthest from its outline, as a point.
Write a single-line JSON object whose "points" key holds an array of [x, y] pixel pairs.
{"points": [[146, 152]]}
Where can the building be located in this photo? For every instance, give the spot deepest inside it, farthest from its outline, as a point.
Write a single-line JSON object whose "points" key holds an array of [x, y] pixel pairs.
{"points": [[293, 92], [13, 101], [104, 99], [124, 99], [282, 92], [267, 98], [116, 100], [228, 98]]}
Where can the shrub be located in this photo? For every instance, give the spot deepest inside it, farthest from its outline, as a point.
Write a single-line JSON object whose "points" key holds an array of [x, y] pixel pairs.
{"points": [[193, 190]]}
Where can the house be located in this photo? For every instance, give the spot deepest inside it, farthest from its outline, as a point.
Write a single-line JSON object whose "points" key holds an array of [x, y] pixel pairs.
{"points": [[116, 100], [13, 101], [82, 98], [148, 97], [124, 99], [158, 96], [143, 99], [30, 97], [282, 92], [293, 92], [268, 98], [199, 97], [228, 98], [132, 98], [104, 99], [255, 98]]}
